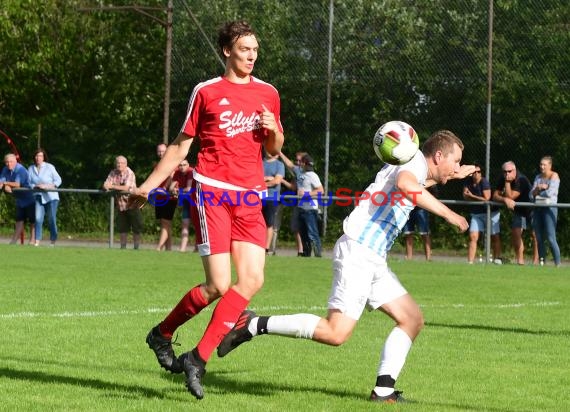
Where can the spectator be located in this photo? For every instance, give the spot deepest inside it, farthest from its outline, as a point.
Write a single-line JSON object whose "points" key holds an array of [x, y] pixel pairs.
{"points": [[478, 189], [296, 170], [309, 185], [419, 220], [513, 186], [273, 170], [44, 176], [545, 191], [123, 179], [13, 176], [164, 207], [182, 180]]}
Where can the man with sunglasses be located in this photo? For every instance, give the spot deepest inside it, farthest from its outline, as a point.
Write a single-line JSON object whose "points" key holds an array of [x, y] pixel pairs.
{"points": [[513, 187]]}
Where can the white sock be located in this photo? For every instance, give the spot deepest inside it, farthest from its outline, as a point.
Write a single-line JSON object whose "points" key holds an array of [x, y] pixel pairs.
{"points": [[382, 391], [252, 327], [301, 325], [394, 354]]}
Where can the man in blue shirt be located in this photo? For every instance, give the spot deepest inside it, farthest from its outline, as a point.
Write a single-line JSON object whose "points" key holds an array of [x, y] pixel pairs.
{"points": [[273, 172], [14, 175]]}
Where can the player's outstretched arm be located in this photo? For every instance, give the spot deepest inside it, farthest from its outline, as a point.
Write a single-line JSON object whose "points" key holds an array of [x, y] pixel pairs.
{"points": [[464, 171], [416, 193], [175, 153]]}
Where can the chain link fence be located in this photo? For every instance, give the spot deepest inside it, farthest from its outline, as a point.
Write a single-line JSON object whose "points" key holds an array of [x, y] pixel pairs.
{"points": [[427, 63]]}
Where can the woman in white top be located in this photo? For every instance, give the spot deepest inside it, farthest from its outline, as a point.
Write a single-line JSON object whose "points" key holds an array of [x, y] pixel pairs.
{"points": [[545, 191], [44, 176]]}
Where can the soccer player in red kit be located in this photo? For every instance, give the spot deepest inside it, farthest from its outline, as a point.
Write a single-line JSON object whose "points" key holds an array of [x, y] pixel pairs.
{"points": [[233, 116]]}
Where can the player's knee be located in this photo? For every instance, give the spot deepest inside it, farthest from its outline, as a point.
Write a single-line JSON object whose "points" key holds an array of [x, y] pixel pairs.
{"points": [[412, 322], [252, 280], [215, 290], [255, 282], [420, 322], [338, 338]]}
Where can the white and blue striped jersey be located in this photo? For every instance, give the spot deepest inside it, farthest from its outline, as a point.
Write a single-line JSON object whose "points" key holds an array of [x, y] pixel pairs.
{"points": [[379, 218]]}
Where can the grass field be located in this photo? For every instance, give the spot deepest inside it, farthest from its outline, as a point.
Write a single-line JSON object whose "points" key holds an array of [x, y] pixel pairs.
{"points": [[74, 320]]}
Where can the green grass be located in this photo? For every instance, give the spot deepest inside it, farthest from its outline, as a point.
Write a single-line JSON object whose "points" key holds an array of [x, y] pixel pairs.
{"points": [[74, 320]]}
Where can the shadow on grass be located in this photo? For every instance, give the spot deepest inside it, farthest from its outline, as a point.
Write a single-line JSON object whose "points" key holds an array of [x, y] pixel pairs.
{"points": [[223, 383], [49, 378], [501, 329], [217, 382], [234, 382]]}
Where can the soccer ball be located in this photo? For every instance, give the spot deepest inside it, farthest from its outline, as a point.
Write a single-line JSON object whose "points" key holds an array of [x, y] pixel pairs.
{"points": [[396, 142]]}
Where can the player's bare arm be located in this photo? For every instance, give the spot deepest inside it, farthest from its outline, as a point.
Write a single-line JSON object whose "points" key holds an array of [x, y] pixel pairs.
{"points": [[408, 183], [464, 171], [175, 153]]}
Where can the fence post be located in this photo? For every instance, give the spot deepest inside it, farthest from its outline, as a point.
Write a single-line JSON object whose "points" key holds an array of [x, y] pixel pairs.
{"points": [[111, 221]]}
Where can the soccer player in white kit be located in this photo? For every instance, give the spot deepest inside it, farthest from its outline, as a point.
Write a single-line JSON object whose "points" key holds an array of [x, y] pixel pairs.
{"points": [[361, 276]]}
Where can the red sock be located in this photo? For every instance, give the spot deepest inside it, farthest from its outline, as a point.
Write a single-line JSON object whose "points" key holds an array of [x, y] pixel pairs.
{"points": [[226, 313], [189, 306]]}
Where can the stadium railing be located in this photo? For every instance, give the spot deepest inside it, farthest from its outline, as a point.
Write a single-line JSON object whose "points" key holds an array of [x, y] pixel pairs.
{"points": [[327, 200]]}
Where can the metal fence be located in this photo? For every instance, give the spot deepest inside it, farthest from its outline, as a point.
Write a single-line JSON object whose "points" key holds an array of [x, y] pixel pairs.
{"points": [[496, 73], [72, 217]]}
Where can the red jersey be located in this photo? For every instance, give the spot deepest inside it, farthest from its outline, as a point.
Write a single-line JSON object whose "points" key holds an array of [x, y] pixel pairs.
{"points": [[183, 179], [225, 116]]}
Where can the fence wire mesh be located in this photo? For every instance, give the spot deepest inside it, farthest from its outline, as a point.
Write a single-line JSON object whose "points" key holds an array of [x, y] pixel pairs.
{"points": [[423, 62]]}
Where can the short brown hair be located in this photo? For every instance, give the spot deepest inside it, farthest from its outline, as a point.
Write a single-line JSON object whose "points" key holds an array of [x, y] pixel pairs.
{"points": [[231, 31], [442, 140]]}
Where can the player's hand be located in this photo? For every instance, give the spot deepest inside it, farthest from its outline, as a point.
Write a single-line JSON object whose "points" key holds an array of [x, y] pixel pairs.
{"points": [[464, 171], [458, 221], [137, 199], [267, 119]]}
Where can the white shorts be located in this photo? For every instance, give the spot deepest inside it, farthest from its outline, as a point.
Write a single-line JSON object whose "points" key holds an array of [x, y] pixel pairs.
{"points": [[361, 278]]}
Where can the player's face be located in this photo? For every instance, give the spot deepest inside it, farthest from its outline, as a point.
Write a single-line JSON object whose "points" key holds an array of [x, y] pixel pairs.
{"points": [[449, 165], [242, 56]]}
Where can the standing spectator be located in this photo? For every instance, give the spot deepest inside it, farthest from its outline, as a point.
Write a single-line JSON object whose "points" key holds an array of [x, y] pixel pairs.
{"points": [[545, 191], [273, 170], [478, 189], [419, 220], [233, 116], [309, 185], [44, 176], [123, 179], [182, 180], [514, 186], [13, 176], [165, 206], [296, 171]]}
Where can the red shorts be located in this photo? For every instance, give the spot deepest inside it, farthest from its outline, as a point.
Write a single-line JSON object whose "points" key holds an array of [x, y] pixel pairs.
{"points": [[221, 216]]}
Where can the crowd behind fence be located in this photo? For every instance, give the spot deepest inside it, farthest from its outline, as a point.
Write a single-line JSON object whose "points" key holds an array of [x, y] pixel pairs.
{"points": [[101, 202]]}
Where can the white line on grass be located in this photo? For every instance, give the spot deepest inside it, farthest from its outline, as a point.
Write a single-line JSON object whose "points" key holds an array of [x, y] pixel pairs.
{"points": [[89, 314]]}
